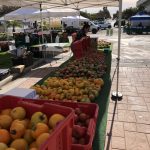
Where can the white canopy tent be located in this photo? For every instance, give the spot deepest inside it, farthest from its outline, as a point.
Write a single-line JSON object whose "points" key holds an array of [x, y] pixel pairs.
{"points": [[75, 4], [74, 21], [75, 18], [59, 3], [20, 14], [55, 12], [26, 13]]}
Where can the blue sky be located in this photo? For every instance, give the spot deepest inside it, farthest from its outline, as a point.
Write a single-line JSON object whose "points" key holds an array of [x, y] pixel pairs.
{"points": [[126, 4]]}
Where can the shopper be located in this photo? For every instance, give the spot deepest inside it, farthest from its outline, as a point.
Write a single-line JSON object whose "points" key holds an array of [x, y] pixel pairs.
{"points": [[64, 38], [82, 33], [27, 41]]}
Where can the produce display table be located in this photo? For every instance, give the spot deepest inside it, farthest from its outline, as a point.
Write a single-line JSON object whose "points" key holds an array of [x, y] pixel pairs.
{"points": [[74, 85], [102, 100], [104, 46], [50, 47]]}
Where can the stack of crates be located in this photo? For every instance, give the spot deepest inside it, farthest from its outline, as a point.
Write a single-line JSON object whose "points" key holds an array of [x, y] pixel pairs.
{"points": [[61, 139]]}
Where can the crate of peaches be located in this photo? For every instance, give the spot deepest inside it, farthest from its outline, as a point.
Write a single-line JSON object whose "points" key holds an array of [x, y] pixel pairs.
{"points": [[85, 118], [28, 126]]}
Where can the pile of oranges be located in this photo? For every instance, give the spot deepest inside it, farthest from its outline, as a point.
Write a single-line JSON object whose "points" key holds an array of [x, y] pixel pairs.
{"points": [[20, 133]]}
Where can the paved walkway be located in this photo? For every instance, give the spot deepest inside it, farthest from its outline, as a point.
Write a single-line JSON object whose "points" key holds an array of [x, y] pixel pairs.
{"points": [[128, 125]]}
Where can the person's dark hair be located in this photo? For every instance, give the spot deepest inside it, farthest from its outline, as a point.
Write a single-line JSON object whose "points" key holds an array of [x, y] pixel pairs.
{"points": [[86, 25]]}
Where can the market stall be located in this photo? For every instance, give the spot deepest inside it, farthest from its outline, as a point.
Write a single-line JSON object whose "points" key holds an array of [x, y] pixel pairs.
{"points": [[89, 75]]}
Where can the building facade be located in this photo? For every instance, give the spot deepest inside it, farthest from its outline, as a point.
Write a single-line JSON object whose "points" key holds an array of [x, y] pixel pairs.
{"points": [[145, 3]]}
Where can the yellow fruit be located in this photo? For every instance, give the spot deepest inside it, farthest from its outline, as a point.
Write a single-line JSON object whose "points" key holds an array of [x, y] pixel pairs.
{"points": [[39, 129], [18, 113], [54, 119], [4, 136], [5, 121], [28, 136], [3, 146], [41, 139], [37, 118], [19, 144], [6, 111], [25, 122], [17, 130]]}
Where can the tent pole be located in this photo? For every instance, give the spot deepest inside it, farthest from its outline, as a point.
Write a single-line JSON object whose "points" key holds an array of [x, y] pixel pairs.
{"points": [[79, 16], [6, 30], [117, 95], [49, 25], [41, 22], [50, 28]]}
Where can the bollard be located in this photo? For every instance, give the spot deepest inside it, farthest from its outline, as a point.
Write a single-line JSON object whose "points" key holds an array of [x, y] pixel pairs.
{"points": [[107, 32], [111, 32]]}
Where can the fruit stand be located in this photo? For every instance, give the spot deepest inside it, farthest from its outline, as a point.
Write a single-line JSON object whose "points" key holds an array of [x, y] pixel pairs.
{"points": [[84, 80], [78, 92]]}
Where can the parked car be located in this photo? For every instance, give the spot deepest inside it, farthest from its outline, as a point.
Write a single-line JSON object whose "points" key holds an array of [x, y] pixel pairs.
{"points": [[93, 27], [104, 24], [122, 23]]}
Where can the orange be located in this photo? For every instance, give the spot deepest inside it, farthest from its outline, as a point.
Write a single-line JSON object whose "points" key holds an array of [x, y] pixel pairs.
{"points": [[39, 129], [41, 139], [4, 136], [5, 121], [54, 119]]}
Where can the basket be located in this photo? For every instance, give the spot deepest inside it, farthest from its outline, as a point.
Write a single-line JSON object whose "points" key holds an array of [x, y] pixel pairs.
{"points": [[60, 138]]}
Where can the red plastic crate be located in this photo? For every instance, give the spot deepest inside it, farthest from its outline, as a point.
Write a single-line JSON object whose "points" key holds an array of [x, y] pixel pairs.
{"points": [[60, 138], [88, 108]]}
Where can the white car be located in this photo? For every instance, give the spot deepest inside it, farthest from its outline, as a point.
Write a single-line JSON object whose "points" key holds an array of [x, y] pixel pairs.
{"points": [[104, 25], [93, 27]]}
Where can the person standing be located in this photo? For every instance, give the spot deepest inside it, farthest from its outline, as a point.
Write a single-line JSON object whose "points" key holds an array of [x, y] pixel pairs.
{"points": [[27, 41], [82, 33]]}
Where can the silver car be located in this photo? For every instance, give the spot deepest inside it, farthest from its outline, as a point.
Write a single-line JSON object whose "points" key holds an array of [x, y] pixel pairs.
{"points": [[104, 24]]}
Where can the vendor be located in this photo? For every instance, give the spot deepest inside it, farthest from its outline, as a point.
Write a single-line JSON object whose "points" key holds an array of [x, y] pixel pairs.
{"points": [[27, 41], [64, 38], [82, 33]]}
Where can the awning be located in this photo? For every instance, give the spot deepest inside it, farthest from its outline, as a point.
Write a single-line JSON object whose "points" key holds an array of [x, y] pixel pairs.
{"points": [[75, 4], [20, 14], [55, 12], [26, 13]]}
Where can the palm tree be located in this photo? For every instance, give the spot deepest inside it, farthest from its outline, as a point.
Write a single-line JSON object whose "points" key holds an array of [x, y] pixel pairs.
{"points": [[14, 24]]}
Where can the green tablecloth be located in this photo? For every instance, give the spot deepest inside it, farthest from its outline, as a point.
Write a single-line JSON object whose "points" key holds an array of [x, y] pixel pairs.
{"points": [[103, 101]]}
